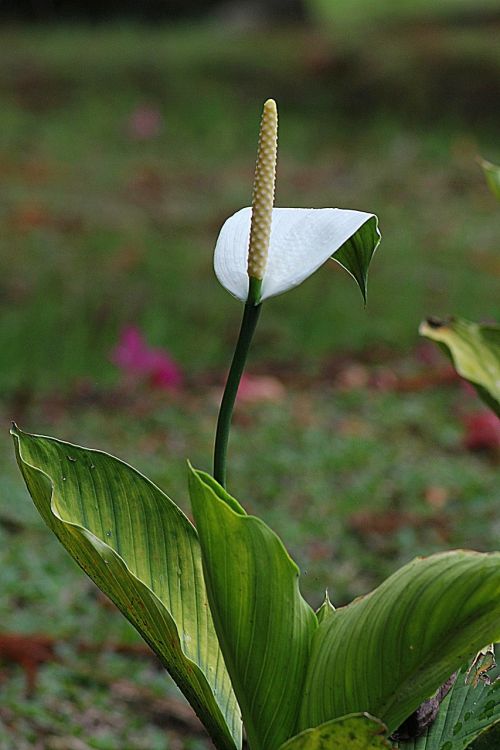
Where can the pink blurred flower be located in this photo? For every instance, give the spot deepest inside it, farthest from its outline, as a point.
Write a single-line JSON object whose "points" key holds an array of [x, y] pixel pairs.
{"points": [[145, 123], [138, 360], [482, 431], [254, 389]]}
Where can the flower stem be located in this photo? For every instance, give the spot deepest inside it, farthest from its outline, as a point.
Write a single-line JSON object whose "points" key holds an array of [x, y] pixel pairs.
{"points": [[248, 324]]}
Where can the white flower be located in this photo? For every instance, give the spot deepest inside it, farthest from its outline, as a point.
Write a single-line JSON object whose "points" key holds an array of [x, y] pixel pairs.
{"points": [[278, 248], [302, 239]]}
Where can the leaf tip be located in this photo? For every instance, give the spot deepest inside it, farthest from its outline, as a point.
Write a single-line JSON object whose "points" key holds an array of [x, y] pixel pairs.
{"points": [[326, 609], [16, 433]]}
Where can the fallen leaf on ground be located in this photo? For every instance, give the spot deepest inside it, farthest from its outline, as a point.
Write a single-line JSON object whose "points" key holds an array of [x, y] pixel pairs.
{"points": [[29, 652]]}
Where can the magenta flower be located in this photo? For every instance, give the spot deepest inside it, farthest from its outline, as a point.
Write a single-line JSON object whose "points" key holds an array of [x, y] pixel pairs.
{"points": [[139, 361]]}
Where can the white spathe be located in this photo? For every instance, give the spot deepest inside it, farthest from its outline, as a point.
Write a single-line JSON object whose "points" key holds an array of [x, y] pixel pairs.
{"points": [[302, 239]]}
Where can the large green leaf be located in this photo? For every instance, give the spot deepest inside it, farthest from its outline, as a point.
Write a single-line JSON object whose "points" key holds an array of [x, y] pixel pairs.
{"points": [[465, 713], [388, 651], [352, 732], [141, 550], [355, 255], [475, 352], [492, 174], [264, 626]]}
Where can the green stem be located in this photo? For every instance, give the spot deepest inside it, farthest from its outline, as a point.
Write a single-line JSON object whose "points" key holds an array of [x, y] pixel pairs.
{"points": [[248, 324]]}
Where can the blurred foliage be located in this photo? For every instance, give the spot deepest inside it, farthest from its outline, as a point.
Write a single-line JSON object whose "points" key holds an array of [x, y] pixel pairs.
{"points": [[149, 11], [57, 10], [103, 226], [122, 151], [339, 13]]}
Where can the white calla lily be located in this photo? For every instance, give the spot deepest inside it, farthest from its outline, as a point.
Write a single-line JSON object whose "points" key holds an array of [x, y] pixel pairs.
{"points": [[302, 239], [262, 251]]}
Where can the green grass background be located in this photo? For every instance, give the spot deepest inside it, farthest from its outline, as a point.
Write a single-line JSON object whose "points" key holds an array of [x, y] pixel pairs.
{"points": [[100, 230]]}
